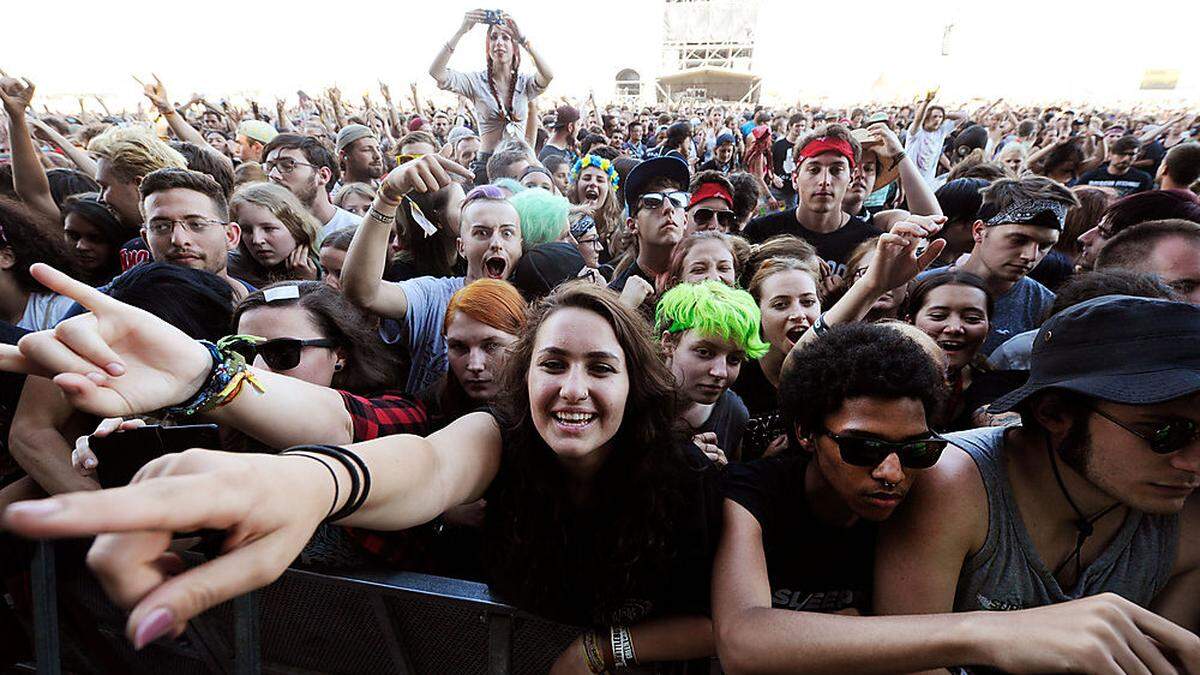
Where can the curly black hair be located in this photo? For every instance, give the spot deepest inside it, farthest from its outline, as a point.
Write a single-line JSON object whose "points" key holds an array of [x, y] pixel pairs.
{"points": [[854, 360]]}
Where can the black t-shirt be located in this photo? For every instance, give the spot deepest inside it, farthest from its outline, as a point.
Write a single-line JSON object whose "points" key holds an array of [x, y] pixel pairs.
{"points": [[834, 247], [761, 399], [728, 421], [1053, 271], [812, 566], [550, 150], [779, 154], [618, 283], [1133, 180]]}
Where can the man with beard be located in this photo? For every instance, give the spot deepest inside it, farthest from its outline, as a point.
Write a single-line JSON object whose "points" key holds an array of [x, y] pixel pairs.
{"points": [[303, 166], [358, 156], [1018, 223], [440, 126], [656, 199], [1088, 496], [562, 135], [1118, 173], [825, 161]]}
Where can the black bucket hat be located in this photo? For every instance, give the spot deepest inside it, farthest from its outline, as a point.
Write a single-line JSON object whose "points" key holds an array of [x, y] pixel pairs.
{"points": [[1118, 348]]}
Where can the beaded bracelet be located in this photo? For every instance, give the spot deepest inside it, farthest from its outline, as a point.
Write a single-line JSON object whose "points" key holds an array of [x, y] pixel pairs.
{"points": [[592, 653], [224, 382]]}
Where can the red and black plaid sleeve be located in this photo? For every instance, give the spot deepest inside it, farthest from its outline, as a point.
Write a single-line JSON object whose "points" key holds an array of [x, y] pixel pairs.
{"points": [[385, 415]]}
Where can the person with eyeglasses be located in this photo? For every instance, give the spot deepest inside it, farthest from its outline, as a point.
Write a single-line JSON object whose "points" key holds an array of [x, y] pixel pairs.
{"points": [[304, 166], [711, 204], [187, 223], [655, 199], [1091, 494]]}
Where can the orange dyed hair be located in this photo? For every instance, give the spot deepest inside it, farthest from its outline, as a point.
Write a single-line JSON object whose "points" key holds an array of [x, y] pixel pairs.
{"points": [[491, 302]]}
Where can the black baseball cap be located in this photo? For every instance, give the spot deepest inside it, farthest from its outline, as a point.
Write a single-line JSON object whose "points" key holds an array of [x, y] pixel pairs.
{"points": [[672, 168], [1118, 348], [545, 266]]}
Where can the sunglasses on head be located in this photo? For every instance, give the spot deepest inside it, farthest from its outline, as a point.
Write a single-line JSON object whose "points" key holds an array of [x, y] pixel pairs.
{"points": [[281, 353], [1171, 436], [920, 453], [704, 215], [654, 200]]}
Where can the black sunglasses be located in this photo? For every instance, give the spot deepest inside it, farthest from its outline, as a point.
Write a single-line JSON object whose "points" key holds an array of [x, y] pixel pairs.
{"points": [[654, 200], [282, 353], [724, 218], [920, 453], [1173, 436]]}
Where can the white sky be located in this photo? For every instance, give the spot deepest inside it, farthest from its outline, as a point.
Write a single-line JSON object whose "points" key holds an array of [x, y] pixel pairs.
{"points": [[1020, 49]]}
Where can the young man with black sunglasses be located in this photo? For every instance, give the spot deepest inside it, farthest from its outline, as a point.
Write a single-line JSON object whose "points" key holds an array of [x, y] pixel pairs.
{"points": [[1102, 633], [710, 207], [800, 529], [655, 199], [1091, 494]]}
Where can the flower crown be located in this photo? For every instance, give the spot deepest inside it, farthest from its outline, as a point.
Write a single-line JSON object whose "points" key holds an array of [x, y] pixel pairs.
{"points": [[598, 162]]}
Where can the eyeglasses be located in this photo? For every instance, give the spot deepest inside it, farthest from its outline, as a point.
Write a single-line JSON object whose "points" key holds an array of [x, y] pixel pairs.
{"points": [[704, 215], [281, 353], [1172, 436], [921, 453], [162, 227], [594, 242], [655, 200], [285, 165]]}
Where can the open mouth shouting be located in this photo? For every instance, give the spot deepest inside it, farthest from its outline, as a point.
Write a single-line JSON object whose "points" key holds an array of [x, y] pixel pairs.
{"points": [[591, 193], [794, 334], [495, 267]]}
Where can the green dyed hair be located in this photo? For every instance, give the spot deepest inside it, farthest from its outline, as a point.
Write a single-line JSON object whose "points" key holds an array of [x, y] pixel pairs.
{"points": [[512, 185], [543, 216], [714, 309]]}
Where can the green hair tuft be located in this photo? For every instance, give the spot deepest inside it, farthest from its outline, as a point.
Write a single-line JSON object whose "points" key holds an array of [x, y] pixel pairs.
{"points": [[713, 309]]}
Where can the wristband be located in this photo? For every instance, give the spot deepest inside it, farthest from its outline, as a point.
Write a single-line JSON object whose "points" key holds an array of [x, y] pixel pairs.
{"points": [[819, 326], [898, 158], [381, 216], [360, 476], [224, 382], [622, 647]]}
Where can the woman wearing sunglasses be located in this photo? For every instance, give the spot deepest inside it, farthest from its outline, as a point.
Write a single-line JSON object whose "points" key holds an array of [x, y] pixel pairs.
{"points": [[595, 516], [307, 331]]}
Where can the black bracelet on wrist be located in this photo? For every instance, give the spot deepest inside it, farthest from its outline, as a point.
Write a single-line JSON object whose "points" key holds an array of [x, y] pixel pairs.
{"points": [[360, 476]]}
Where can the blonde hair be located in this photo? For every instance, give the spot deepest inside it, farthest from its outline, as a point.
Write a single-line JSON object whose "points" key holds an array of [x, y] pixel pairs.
{"points": [[302, 225], [135, 152]]}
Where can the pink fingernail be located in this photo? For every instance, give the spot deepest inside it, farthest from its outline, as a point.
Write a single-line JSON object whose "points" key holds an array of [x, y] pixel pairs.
{"points": [[116, 369], [98, 378], [156, 624], [39, 508]]}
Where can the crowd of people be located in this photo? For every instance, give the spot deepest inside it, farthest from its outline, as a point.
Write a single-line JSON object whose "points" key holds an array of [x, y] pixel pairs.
{"points": [[797, 388]]}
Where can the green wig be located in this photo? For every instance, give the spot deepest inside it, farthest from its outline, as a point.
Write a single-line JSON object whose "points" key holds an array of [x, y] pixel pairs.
{"points": [[543, 216], [714, 309]]}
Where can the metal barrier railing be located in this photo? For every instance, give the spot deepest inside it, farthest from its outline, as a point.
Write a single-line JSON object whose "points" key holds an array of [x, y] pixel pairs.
{"points": [[364, 621]]}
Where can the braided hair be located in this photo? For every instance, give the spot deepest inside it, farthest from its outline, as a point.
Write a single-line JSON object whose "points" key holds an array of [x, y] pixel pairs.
{"points": [[506, 112]]}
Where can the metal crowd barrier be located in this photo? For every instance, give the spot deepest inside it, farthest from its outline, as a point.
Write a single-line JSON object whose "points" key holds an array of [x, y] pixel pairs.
{"points": [[371, 621]]}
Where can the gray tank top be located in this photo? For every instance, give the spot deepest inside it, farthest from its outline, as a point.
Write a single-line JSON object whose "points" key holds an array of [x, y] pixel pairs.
{"points": [[1007, 572]]}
